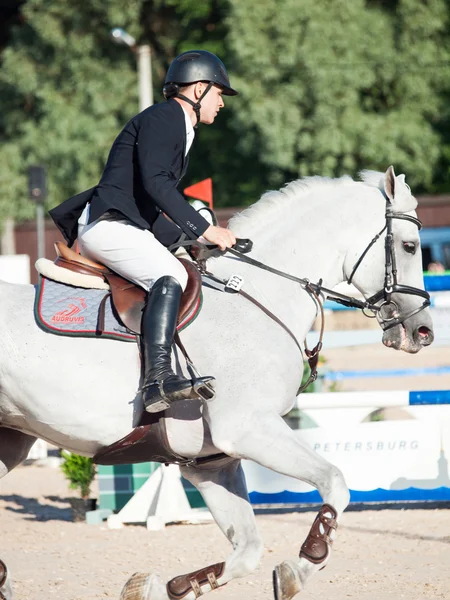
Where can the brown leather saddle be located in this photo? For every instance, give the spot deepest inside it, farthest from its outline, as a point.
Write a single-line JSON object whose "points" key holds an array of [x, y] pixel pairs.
{"points": [[127, 298], [148, 441]]}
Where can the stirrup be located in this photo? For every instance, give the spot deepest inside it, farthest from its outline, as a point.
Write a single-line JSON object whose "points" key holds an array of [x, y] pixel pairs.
{"points": [[204, 387], [160, 395]]}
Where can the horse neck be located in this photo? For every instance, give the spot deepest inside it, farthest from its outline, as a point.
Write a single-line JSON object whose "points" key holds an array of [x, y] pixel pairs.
{"points": [[309, 239]]}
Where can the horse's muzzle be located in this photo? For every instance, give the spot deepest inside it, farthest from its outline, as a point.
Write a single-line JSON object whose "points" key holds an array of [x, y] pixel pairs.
{"points": [[410, 340]]}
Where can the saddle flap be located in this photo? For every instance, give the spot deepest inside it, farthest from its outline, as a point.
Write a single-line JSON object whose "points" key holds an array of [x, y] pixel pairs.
{"points": [[192, 291], [129, 299], [145, 443]]}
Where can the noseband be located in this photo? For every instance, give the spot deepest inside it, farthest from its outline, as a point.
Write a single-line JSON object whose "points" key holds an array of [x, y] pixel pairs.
{"points": [[388, 312]]}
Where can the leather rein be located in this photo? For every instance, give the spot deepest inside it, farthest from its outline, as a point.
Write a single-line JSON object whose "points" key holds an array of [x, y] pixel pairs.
{"points": [[388, 312]]}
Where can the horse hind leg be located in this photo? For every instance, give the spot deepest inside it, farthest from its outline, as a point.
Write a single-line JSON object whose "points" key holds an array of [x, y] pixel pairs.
{"points": [[224, 491], [14, 448], [5, 583]]}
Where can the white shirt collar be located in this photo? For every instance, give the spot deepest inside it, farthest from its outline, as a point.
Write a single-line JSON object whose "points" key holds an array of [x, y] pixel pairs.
{"points": [[190, 132]]}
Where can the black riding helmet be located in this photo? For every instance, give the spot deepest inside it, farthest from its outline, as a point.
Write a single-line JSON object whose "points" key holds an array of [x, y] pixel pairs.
{"points": [[192, 66]]}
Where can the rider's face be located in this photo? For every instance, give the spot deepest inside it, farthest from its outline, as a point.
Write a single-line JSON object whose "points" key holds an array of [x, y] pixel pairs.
{"points": [[210, 104]]}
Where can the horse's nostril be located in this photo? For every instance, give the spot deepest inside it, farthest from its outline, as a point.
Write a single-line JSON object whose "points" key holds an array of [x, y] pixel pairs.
{"points": [[425, 335]]}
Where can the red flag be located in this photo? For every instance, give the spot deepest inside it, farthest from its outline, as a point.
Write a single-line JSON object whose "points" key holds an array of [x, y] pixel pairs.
{"points": [[201, 191]]}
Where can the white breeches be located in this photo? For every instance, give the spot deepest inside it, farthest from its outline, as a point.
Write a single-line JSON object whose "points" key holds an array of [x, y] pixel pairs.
{"points": [[129, 251]]}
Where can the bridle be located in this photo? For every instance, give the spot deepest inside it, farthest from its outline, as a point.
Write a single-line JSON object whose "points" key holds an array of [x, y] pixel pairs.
{"points": [[388, 312]]}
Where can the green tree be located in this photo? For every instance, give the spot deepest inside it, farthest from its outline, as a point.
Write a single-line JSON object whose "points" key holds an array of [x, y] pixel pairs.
{"points": [[327, 87], [330, 86], [66, 89]]}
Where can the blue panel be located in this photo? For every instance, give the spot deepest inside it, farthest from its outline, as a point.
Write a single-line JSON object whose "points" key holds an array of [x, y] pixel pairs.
{"points": [[430, 235], [432, 283], [407, 495], [378, 495], [436, 283], [429, 397], [328, 305], [286, 497], [339, 375]]}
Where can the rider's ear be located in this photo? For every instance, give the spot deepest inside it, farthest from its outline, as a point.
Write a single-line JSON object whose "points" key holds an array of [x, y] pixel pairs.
{"points": [[198, 89], [389, 183]]}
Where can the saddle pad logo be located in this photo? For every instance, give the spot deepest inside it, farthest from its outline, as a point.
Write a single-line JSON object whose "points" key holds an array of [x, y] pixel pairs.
{"points": [[71, 313]]}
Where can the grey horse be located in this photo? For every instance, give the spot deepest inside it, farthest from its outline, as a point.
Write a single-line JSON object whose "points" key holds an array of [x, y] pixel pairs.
{"points": [[81, 394]]}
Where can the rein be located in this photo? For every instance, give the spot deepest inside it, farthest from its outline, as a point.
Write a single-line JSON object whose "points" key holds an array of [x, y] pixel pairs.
{"points": [[312, 355], [388, 311]]}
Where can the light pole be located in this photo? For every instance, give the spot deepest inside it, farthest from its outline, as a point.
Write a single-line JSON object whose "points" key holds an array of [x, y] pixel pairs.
{"points": [[144, 64], [37, 188]]}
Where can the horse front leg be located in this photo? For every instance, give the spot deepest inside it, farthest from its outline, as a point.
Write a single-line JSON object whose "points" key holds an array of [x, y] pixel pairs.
{"points": [[14, 448], [271, 443], [224, 491]]}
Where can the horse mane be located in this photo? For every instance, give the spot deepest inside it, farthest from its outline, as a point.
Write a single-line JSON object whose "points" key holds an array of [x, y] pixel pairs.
{"points": [[278, 201], [372, 178]]}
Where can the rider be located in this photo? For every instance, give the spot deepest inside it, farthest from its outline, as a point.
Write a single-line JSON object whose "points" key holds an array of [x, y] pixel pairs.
{"points": [[123, 222]]}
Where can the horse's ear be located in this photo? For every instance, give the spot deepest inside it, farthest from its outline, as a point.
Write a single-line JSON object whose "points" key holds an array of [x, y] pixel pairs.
{"points": [[389, 183]]}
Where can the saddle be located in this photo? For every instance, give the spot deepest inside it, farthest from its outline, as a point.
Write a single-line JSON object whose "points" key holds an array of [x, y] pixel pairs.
{"points": [[128, 299], [148, 440]]}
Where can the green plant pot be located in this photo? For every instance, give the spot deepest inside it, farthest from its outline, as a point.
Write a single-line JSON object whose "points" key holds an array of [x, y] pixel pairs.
{"points": [[80, 507], [91, 504]]}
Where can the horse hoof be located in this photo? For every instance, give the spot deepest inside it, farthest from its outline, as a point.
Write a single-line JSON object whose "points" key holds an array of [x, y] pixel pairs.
{"points": [[286, 582], [142, 586], [5, 584]]}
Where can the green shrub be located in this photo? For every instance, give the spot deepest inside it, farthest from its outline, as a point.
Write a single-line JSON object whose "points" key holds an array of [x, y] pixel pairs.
{"points": [[80, 471]]}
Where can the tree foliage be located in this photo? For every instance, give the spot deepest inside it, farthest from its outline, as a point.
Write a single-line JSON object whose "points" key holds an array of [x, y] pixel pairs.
{"points": [[79, 471], [327, 87], [64, 89], [330, 86]]}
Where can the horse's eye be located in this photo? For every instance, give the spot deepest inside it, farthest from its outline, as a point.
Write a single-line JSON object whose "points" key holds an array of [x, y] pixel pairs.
{"points": [[409, 247]]}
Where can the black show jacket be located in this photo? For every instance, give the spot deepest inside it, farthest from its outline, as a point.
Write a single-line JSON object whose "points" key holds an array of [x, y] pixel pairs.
{"points": [[146, 163]]}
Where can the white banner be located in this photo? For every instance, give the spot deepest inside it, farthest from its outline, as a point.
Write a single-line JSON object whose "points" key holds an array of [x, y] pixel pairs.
{"points": [[387, 455]]}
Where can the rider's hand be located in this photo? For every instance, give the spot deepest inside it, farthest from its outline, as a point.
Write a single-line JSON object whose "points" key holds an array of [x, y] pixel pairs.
{"points": [[224, 238]]}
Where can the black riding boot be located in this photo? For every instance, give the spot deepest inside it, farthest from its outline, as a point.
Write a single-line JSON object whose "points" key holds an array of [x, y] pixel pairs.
{"points": [[161, 385]]}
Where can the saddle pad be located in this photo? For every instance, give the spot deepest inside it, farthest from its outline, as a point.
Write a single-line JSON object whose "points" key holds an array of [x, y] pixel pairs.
{"points": [[68, 310]]}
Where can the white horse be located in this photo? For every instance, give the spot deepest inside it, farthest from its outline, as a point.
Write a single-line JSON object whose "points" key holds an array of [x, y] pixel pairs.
{"points": [[81, 394]]}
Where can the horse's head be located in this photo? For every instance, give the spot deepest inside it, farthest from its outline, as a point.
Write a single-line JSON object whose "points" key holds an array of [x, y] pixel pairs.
{"points": [[389, 271]]}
